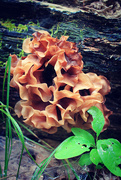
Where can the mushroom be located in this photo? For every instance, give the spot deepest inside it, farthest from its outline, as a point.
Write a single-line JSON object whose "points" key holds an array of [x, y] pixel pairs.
{"points": [[54, 90]]}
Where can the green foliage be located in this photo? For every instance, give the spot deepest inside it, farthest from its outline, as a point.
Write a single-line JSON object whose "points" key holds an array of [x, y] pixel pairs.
{"points": [[54, 32], [106, 152], [94, 157], [73, 146], [2, 64], [13, 27], [83, 135], [8, 24], [42, 166], [21, 54], [98, 119], [110, 152], [85, 160], [21, 28]]}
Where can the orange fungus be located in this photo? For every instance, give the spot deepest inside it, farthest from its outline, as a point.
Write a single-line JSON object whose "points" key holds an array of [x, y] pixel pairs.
{"points": [[54, 90]]}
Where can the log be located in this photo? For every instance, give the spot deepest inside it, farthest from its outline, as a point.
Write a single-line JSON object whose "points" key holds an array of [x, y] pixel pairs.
{"points": [[97, 35]]}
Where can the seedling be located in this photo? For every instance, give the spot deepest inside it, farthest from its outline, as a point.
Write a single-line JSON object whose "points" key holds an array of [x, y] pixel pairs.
{"points": [[106, 152]]}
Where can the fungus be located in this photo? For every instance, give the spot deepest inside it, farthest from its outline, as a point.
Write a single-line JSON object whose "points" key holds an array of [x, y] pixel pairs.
{"points": [[54, 90]]}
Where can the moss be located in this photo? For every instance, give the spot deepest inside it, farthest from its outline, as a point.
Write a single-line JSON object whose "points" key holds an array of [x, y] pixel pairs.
{"points": [[21, 54], [71, 29], [13, 27], [2, 64], [8, 24], [1, 44], [30, 23]]}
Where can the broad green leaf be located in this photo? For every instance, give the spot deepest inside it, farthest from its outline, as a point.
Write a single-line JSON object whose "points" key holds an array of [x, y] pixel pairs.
{"points": [[85, 160], [110, 152], [94, 156], [83, 134], [98, 119], [72, 146]]}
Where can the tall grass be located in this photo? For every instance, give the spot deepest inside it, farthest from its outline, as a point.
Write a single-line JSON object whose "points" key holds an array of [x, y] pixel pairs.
{"points": [[13, 125], [9, 121], [8, 140]]}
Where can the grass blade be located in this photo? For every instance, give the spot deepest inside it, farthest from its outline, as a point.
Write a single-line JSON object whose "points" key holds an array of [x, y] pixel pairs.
{"points": [[21, 137], [42, 166], [66, 167], [73, 170], [8, 139], [8, 81], [37, 143], [50, 148]]}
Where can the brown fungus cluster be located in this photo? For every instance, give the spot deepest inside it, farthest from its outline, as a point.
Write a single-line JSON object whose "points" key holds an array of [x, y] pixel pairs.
{"points": [[54, 90]]}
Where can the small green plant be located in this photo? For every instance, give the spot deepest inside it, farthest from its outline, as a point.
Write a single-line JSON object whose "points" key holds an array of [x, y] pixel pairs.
{"points": [[21, 28], [92, 150], [21, 53], [13, 27], [2, 64], [53, 31], [8, 24]]}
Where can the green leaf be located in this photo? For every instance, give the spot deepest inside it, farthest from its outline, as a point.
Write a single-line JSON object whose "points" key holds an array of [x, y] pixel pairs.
{"points": [[110, 152], [72, 146], [98, 119], [85, 160], [83, 134], [94, 156]]}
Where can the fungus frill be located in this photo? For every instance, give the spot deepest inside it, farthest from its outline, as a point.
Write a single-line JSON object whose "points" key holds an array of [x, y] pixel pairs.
{"points": [[54, 90]]}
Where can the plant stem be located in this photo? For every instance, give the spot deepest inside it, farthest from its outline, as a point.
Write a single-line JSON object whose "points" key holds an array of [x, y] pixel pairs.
{"points": [[73, 170]]}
